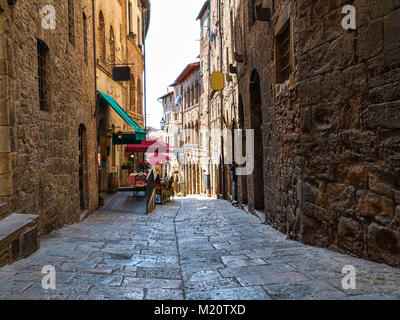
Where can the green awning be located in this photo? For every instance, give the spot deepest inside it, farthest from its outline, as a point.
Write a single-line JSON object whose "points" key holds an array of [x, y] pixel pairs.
{"points": [[140, 133]]}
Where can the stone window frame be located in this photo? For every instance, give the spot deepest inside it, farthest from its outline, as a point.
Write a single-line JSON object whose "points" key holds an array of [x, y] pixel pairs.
{"points": [[112, 59], [71, 21], [102, 37], [85, 38], [284, 20], [130, 17], [252, 12], [43, 58], [283, 66]]}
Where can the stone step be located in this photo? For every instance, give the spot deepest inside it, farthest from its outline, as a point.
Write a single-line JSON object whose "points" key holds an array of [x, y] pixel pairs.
{"points": [[19, 237], [4, 210]]}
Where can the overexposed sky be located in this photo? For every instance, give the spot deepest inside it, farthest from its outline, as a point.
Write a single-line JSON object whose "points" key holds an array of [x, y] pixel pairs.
{"points": [[171, 44]]}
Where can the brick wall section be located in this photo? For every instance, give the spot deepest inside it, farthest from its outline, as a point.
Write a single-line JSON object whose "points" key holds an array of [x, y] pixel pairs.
{"points": [[43, 145]]}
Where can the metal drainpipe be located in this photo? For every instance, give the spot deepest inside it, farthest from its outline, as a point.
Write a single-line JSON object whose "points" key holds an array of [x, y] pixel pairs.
{"points": [[223, 186]]}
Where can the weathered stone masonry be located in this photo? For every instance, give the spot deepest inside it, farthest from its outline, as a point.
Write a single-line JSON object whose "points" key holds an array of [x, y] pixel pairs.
{"points": [[39, 165], [331, 133]]}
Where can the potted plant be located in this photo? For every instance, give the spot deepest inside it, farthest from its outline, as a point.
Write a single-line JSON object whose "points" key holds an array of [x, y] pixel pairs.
{"points": [[102, 198], [142, 166]]}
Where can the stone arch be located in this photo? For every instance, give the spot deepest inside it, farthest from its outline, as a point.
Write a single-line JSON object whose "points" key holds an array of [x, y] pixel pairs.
{"points": [[256, 123]]}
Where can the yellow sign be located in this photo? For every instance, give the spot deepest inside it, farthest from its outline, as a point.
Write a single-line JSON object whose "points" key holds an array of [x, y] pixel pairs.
{"points": [[217, 81]]}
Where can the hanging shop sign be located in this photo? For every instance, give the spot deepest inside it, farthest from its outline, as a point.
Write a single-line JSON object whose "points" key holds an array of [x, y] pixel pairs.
{"points": [[217, 81], [125, 138], [121, 74]]}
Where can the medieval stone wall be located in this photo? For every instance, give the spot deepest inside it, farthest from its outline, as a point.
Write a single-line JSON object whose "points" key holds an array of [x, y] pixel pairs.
{"points": [[331, 132], [350, 141], [44, 145]]}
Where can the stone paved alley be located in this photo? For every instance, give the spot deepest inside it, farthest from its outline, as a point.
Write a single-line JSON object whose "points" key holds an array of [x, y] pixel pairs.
{"points": [[194, 248]]}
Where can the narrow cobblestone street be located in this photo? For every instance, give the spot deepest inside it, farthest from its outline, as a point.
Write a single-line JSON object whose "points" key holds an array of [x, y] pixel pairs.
{"points": [[194, 248]]}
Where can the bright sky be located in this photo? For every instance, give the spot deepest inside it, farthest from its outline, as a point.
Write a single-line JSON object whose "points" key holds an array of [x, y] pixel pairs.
{"points": [[172, 43]]}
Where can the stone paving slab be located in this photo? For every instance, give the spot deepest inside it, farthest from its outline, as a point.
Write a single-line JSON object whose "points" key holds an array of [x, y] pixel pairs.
{"points": [[193, 248]]}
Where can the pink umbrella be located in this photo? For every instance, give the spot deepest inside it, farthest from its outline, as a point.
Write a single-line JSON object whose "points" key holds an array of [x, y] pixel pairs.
{"points": [[150, 146], [158, 159]]}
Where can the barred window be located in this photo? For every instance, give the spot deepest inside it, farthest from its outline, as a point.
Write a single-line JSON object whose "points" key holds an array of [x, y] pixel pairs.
{"points": [[102, 31], [112, 47], [43, 57], [85, 39], [71, 21], [252, 12], [283, 61]]}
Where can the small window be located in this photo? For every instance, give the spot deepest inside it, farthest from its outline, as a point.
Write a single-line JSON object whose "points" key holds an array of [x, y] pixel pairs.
{"points": [[283, 54], [130, 24], [112, 58], [71, 21], [252, 12], [43, 77], [85, 39]]}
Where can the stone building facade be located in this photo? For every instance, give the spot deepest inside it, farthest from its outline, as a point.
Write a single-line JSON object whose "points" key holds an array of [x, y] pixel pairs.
{"points": [[47, 128], [323, 102], [121, 28], [188, 88]]}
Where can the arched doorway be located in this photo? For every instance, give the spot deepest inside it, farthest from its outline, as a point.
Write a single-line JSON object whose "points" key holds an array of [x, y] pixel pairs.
{"points": [[82, 154], [256, 123], [103, 156], [242, 126]]}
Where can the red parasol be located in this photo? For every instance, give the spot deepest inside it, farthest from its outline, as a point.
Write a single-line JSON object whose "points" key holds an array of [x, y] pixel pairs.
{"points": [[151, 146]]}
